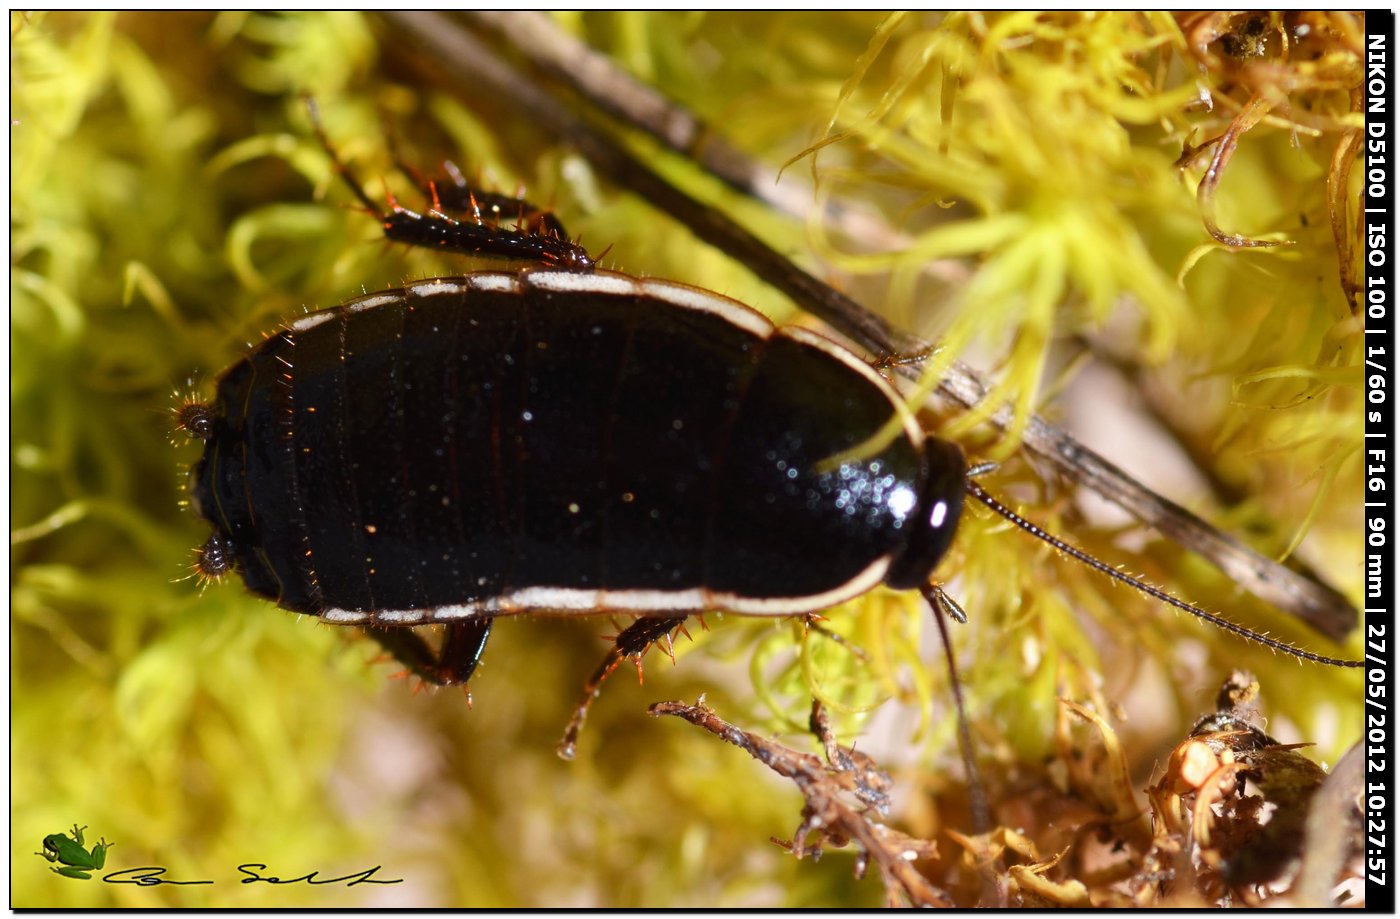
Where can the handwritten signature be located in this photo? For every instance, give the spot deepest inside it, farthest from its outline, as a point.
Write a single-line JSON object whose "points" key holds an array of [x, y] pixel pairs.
{"points": [[152, 876]]}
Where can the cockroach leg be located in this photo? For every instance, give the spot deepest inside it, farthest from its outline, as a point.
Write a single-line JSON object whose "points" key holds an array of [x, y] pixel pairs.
{"points": [[632, 643], [904, 359], [452, 664]]}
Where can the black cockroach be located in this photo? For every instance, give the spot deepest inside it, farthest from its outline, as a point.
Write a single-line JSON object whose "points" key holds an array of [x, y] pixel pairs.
{"points": [[568, 440]]}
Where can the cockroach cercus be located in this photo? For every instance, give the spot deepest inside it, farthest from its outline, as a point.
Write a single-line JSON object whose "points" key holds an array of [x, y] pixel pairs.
{"points": [[564, 439]]}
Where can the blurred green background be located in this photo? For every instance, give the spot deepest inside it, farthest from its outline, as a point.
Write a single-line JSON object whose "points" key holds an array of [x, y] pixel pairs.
{"points": [[168, 207]]}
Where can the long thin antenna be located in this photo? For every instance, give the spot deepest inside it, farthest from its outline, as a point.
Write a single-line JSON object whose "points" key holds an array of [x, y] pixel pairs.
{"points": [[978, 492], [942, 606]]}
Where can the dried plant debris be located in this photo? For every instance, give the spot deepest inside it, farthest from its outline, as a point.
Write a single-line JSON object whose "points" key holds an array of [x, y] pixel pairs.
{"points": [[1299, 70], [845, 797], [168, 160], [1232, 820], [1230, 811], [1073, 834]]}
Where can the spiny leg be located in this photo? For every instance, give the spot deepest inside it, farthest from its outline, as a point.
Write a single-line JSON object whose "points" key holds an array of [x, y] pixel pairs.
{"points": [[632, 642], [904, 358], [536, 238], [452, 664], [456, 197]]}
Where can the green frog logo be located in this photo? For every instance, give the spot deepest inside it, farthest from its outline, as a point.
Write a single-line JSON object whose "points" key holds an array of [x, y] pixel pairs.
{"points": [[76, 861]]}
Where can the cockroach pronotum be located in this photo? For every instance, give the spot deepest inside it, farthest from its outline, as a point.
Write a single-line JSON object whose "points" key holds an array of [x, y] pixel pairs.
{"points": [[569, 440]]}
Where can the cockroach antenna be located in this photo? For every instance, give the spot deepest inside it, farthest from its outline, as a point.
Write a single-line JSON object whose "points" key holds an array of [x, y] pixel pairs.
{"points": [[981, 494]]}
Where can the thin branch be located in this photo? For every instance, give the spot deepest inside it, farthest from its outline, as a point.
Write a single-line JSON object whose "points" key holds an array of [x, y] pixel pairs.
{"points": [[609, 88], [828, 814], [1226, 494], [1334, 832], [471, 63], [595, 77]]}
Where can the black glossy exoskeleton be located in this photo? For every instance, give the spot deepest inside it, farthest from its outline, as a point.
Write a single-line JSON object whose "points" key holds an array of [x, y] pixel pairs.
{"points": [[560, 441], [568, 440], [471, 447]]}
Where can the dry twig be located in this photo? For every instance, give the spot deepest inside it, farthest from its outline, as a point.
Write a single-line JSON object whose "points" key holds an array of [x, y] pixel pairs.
{"points": [[841, 797]]}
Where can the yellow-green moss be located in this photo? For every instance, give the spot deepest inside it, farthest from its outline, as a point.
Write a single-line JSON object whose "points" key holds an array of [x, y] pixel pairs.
{"points": [[165, 210]]}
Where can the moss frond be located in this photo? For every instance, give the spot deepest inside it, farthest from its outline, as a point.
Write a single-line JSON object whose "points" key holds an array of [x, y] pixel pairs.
{"points": [[1039, 175]]}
